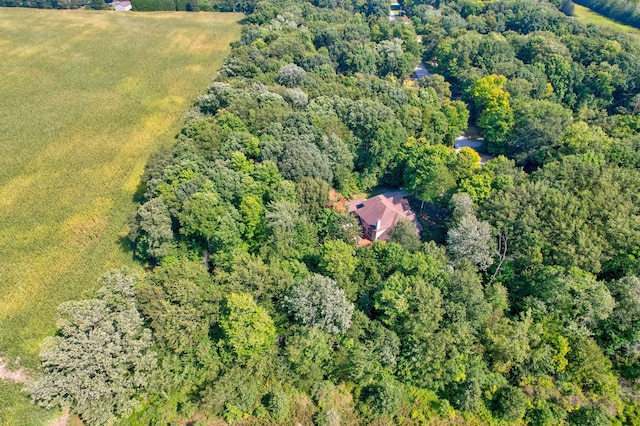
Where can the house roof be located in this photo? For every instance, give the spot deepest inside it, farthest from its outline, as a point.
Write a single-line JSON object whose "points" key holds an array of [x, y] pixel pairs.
{"points": [[389, 208]]}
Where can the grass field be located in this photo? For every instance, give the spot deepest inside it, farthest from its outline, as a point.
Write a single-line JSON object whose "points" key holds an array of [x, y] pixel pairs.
{"points": [[588, 16], [85, 97]]}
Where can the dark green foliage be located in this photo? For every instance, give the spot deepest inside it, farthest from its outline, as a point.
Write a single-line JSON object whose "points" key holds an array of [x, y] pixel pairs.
{"points": [[538, 126], [405, 234], [621, 331], [469, 396], [527, 315], [312, 195], [592, 415], [155, 237], [181, 303], [153, 5], [510, 404], [303, 159], [102, 358], [278, 403], [380, 399]]}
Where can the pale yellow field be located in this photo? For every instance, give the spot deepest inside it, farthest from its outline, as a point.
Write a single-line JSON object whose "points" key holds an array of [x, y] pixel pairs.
{"points": [[85, 98]]}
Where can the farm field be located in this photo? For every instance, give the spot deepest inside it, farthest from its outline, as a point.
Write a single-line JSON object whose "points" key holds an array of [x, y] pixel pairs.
{"points": [[588, 16], [85, 98]]}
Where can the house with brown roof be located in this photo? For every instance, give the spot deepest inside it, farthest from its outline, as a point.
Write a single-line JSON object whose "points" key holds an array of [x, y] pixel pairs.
{"points": [[378, 215]]}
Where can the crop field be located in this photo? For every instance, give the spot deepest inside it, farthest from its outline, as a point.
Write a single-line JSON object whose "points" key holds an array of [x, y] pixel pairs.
{"points": [[588, 16], [85, 98]]}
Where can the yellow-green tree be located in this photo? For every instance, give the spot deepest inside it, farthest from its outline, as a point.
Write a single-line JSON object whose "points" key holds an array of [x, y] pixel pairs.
{"points": [[495, 113], [248, 329]]}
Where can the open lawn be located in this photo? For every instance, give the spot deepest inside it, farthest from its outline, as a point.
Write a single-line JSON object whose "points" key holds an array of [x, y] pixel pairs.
{"points": [[588, 16], [85, 98]]}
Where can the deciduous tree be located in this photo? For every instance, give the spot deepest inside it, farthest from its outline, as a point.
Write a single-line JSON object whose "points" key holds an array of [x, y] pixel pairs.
{"points": [[101, 361]]}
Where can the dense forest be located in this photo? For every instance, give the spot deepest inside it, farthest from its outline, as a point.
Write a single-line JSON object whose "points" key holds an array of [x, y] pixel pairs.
{"points": [[520, 305]]}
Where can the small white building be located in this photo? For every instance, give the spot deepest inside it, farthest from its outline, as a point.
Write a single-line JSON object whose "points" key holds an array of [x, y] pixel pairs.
{"points": [[123, 6]]}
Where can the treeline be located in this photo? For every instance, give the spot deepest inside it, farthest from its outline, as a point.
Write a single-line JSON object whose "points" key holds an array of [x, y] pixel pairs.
{"points": [[46, 4], [246, 6], [625, 11], [521, 306]]}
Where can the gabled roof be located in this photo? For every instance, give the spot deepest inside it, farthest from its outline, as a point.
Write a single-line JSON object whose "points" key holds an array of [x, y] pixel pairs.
{"points": [[389, 208]]}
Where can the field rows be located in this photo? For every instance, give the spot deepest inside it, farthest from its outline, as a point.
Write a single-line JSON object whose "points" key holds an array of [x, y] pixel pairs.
{"points": [[86, 97]]}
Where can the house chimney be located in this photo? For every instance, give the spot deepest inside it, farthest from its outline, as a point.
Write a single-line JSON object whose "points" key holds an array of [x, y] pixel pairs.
{"points": [[378, 223]]}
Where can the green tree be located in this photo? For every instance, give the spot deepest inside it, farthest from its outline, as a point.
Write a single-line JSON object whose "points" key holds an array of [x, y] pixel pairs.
{"points": [[469, 239], [312, 194], [290, 75], [381, 398], [621, 331], [101, 361], [495, 113], [337, 260], [510, 404], [405, 233], [220, 226], [248, 330], [302, 159], [393, 60], [428, 173], [252, 210], [409, 306], [576, 297], [318, 302], [154, 235], [310, 355], [538, 126]]}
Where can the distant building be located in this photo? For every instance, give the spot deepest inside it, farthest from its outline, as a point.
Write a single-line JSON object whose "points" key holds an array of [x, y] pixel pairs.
{"points": [[123, 6], [378, 215]]}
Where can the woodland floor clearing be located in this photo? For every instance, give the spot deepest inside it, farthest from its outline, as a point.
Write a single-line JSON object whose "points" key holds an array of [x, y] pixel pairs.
{"points": [[86, 97]]}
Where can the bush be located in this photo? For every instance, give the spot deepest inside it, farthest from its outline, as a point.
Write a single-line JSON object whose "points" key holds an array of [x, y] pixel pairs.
{"points": [[278, 404], [510, 404], [380, 399]]}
